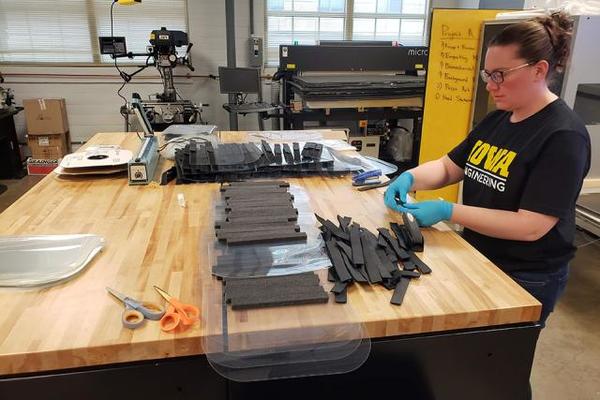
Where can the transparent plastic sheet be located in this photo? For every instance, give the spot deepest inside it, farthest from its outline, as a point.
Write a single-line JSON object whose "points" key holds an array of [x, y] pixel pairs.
{"points": [[274, 259], [282, 342], [328, 154], [355, 162], [43, 260], [177, 136]]}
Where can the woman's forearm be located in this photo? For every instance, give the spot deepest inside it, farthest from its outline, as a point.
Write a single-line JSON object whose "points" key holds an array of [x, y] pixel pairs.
{"points": [[510, 225], [430, 175]]}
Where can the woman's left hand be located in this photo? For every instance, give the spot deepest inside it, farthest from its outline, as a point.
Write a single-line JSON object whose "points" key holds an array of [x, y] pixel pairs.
{"points": [[429, 212]]}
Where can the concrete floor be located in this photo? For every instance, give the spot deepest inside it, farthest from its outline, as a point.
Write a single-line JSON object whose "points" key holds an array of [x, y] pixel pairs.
{"points": [[567, 360], [16, 188]]}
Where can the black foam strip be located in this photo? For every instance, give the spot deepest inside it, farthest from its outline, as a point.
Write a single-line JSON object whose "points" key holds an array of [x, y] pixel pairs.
{"points": [[391, 254], [245, 193], [261, 212], [296, 147], [279, 299], [257, 220], [401, 253], [409, 265], [333, 228], [267, 151], [381, 242], [390, 284], [384, 265], [370, 257], [257, 183], [344, 223], [331, 275], [400, 291], [251, 207], [223, 232], [255, 197], [356, 273], [287, 154], [355, 242], [421, 266], [337, 261], [302, 278], [400, 236], [342, 297], [339, 287], [410, 274], [278, 154], [242, 286], [347, 250], [265, 237]]}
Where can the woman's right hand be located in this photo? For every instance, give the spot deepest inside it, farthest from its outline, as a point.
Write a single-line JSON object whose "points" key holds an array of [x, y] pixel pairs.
{"points": [[398, 189]]}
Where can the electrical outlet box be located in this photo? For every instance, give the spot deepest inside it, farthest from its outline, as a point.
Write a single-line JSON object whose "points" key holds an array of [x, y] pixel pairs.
{"points": [[255, 51]]}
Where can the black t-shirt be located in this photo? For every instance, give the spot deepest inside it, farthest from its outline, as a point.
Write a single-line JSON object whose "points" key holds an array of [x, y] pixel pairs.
{"points": [[537, 164]]}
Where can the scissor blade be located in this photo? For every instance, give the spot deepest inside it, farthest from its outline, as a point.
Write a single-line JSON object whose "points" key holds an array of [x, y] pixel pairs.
{"points": [[164, 294], [118, 295]]}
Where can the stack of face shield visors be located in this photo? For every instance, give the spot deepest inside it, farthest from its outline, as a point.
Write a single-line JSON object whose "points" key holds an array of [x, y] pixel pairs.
{"points": [[357, 255], [202, 161], [246, 343]]}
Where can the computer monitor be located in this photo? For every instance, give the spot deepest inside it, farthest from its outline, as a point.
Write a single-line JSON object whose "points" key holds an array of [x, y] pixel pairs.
{"points": [[113, 45], [239, 80]]}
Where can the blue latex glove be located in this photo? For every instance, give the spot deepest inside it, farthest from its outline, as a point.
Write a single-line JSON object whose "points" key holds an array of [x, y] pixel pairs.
{"points": [[399, 188], [430, 212]]}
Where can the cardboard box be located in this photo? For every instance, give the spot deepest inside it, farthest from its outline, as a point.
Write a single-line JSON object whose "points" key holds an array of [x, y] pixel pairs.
{"points": [[49, 147], [46, 116], [41, 167]]}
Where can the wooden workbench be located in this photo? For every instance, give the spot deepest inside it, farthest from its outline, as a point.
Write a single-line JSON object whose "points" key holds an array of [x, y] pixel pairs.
{"points": [[151, 240]]}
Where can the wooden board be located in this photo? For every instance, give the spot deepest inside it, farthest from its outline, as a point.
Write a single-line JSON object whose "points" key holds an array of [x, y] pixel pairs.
{"points": [[151, 240], [451, 74], [366, 103]]}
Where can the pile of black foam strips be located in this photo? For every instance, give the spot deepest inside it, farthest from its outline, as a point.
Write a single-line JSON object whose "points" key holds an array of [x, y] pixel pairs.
{"points": [[358, 255]]}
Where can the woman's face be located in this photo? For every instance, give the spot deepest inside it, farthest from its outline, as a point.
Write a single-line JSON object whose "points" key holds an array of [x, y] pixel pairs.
{"points": [[518, 84]]}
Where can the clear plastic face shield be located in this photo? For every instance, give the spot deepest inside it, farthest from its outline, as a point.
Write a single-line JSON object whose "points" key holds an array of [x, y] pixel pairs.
{"points": [[277, 342]]}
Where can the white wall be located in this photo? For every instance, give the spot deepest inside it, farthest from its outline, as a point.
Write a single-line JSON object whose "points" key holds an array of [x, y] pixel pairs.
{"points": [[92, 102]]}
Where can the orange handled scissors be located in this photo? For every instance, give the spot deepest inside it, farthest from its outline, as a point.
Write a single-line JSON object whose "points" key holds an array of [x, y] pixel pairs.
{"points": [[178, 313]]}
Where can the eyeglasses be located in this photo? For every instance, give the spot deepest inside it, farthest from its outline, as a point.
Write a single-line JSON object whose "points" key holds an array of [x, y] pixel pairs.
{"points": [[497, 76]]}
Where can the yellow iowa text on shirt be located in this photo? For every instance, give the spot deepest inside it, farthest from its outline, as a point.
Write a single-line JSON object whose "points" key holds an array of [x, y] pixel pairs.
{"points": [[493, 158]]}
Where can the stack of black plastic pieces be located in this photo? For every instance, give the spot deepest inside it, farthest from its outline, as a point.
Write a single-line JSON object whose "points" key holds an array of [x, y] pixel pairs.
{"points": [[257, 216], [245, 293], [358, 255], [258, 212], [201, 161]]}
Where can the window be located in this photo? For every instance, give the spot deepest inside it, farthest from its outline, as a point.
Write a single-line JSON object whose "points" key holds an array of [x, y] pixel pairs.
{"points": [[396, 20], [303, 22], [309, 21], [66, 31]]}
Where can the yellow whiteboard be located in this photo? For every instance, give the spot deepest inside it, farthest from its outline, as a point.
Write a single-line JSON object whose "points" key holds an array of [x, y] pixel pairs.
{"points": [[451, 74]]}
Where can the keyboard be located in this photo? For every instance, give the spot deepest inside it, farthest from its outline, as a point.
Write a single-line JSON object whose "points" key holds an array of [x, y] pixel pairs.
{"points": [[249, 107]]}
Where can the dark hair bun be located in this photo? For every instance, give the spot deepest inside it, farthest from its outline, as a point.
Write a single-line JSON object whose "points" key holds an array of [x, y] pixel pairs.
{"points": [[559, 26]]}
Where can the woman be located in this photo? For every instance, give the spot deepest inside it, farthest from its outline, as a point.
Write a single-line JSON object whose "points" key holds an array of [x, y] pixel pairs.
{"points": [[522, 167]]}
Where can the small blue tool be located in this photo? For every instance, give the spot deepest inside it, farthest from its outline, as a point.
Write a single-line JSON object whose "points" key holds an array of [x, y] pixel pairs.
{"points": [[366, 175], [136, 311]]}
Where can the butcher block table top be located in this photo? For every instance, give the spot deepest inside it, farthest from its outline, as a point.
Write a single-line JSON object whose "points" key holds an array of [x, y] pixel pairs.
{"points": [[151, 240]]}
